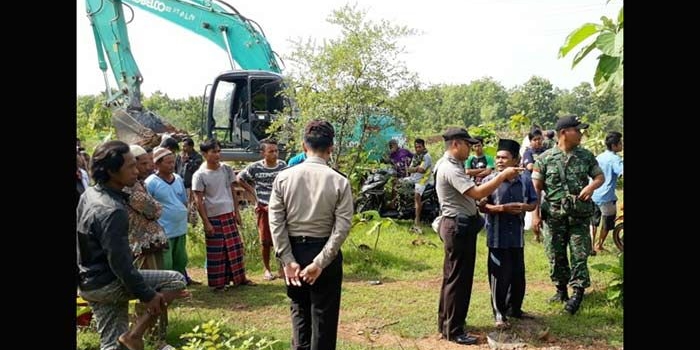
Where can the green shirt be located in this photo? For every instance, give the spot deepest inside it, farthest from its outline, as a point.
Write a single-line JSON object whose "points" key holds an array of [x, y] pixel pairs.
{"points": [[473, 162]]}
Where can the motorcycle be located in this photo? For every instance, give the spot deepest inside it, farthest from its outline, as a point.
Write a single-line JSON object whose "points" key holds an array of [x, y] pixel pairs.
{"points": [[407, 206], [618, 232], [373, 197]]}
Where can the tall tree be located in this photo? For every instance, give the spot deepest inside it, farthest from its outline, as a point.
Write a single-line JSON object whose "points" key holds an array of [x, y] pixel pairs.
{"points": [[534, 99], [345, 80], [490, 97]]}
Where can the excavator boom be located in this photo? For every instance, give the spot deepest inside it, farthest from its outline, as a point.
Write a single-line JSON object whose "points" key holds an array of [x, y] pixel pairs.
{"points": [[217, 21]]}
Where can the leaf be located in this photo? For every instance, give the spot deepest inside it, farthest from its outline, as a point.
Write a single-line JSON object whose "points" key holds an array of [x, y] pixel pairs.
{"points": [[620, 18], [615, 283], [577, 36], [386, 223], [374, 228], [370, 215], [607, 22], [606, 43], [581, 54], [619, 42], [601, 267], [613, 294], [608, 65]]}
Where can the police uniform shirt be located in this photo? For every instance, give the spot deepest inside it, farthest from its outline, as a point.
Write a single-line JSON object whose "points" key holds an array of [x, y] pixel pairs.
{"points": [[310, 199], [451, 183]]}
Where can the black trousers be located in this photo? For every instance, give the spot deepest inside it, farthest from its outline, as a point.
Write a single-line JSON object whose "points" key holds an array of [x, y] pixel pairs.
{"points": [[457, 279], [506, 269], [315, 308]]}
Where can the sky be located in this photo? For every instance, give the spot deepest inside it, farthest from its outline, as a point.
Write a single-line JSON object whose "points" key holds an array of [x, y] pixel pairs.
{"points": [[459, 41]]}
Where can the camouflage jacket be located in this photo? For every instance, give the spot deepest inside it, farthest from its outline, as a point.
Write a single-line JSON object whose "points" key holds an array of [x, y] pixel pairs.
{"points": [[579, 165]]}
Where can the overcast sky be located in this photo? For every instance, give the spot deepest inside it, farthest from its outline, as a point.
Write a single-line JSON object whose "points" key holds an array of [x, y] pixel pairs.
{"points": [[461, 40]]}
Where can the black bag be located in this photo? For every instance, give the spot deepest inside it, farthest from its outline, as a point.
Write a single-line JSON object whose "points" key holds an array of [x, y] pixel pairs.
{"points": [[469, 225], [576, 207], [571, 204]]}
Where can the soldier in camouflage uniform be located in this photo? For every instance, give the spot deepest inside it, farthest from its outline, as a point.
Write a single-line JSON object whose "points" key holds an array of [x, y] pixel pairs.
{"points": [[567, 209], [549, 141]]}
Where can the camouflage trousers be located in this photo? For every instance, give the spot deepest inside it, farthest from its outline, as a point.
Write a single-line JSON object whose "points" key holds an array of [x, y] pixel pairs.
{"points": [[559, 232]]}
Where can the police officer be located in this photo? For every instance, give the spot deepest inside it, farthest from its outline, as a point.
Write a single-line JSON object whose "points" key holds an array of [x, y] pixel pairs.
{"points": [[563, 173], [458, 229], [310, 212]]}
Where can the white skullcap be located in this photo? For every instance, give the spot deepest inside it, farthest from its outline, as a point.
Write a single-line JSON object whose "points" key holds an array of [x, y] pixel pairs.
{"points": [[137, 150]]}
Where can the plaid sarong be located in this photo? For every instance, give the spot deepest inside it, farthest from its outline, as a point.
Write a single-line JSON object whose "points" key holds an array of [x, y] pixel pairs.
{"points": [[225, 252]]}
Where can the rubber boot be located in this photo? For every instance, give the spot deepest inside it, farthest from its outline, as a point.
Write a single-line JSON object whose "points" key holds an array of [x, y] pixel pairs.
{"points": [[575, 302], [562, 294]]}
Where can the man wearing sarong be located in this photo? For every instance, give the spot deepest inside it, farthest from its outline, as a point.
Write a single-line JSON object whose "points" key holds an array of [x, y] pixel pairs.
{"points": [[212, 185]]}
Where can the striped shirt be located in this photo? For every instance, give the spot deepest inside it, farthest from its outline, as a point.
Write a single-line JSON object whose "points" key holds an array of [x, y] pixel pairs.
{"points": [[262, 176]]}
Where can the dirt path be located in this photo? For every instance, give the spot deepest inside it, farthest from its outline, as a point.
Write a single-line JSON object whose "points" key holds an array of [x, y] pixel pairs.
{"points": [[372, 335]]}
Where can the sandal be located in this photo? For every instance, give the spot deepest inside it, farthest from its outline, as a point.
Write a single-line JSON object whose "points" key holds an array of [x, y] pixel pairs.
{"points": [[269, 276], [248, 283], [217, 289]]}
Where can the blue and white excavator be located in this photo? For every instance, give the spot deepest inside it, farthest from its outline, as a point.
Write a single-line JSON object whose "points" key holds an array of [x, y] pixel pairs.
{"points": [[241, 104]]}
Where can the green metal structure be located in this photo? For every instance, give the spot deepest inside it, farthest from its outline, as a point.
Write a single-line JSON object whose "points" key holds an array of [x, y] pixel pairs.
{"points": [[239, 116]]}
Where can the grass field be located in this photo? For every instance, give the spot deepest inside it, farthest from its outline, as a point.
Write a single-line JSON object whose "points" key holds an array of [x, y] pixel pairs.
{"points": [[401, 312]]}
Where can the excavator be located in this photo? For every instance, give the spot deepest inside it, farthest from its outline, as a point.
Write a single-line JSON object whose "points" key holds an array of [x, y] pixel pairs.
{"points": [[240, 104]]}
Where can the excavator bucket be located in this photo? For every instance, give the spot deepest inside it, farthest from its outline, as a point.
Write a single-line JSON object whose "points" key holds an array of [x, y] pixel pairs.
{"points": [[142, 128]]}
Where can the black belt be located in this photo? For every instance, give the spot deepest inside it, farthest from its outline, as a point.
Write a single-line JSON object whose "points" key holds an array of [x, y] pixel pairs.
{"points": [[307, 239]]}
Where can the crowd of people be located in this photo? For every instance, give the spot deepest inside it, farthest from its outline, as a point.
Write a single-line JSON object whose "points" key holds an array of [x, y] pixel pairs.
{"points": [[132, 224]]}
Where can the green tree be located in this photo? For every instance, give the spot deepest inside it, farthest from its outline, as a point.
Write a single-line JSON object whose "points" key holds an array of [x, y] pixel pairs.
{"points": [[488, 100], [609, 41], [93, 120], [184, 113], [344, 80], [535, 99]]}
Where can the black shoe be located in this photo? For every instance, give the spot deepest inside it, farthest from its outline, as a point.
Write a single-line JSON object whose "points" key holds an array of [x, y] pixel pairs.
{"points": [[521, 315], [562, 295], [575, 302], [464, 339]]}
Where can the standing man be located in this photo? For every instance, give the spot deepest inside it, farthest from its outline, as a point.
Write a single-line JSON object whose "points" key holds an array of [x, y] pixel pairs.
{"points": [[213, 190], [458, 228], [505, 209], [170, 143], [107, 278], [310, 214], [563, 174], [146, 237], [480, 165], [533, 151], [191, 160], [420, 175], [549, 140], [298, 158], [168, 189], [605, 197], [262, 173]]}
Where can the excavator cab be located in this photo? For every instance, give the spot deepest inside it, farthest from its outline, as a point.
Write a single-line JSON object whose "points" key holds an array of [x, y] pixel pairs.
{"points": [[241, 107]]}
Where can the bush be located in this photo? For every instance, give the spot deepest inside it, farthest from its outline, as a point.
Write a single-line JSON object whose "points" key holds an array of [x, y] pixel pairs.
{"points": [[209, 335], [614, 291]]}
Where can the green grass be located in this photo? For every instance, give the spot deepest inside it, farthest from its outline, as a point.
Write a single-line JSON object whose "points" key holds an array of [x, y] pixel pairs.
{"points": [[401, 312]]}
